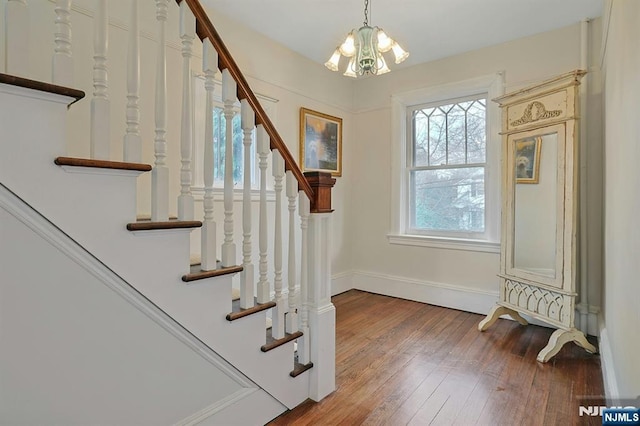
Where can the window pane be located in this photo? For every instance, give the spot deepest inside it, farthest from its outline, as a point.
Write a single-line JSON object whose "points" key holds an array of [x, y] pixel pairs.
{"points": [[456, 135], [437, 138], [238, 162], [420, 137], [219, 125], [448, 199], [476, 132], [219, 148]]}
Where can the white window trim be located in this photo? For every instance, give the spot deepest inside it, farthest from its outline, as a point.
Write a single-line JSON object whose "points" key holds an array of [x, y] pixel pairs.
{"points": [[493, 85]]}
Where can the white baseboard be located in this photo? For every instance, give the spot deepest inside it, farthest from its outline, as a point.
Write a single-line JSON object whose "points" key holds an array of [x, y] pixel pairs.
{"points": [[440, 294], [606, 362], [247, 406], [341, 282], [592, 327]]}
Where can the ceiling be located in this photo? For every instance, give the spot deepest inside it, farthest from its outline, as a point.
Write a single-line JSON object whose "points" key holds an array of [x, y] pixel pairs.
{"points": [[428, 29]]}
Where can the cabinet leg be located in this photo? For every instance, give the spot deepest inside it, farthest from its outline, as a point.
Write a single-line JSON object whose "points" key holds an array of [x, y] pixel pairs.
{"points": [[495, 313], [559, 338]]}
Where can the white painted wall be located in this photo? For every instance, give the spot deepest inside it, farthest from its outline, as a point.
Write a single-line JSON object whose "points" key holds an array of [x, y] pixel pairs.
{"points": [[622, 199], [76, 350], [461, 279]]}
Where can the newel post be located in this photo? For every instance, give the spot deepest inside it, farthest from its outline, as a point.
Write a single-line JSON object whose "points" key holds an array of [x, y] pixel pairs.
{"points": [[322, 313]]}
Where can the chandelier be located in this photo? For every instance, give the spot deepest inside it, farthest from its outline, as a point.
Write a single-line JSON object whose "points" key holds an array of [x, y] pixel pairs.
{"points": [[365, 48]]}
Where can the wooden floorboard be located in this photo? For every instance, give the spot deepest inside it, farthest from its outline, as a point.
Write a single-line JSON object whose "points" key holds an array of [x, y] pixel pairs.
{"points": [[400, 362]]}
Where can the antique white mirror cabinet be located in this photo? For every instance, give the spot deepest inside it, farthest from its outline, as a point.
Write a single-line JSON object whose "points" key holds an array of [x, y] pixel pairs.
{"points": [[539, 209]]}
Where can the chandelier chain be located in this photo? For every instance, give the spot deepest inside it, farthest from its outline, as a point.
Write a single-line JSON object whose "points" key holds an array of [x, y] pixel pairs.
{"points": [[366, 13]]}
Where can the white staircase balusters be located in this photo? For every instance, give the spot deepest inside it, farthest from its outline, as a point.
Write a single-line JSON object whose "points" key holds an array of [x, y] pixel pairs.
{"points": [[304, 207], [208, 251], [292, 195], [248, 120], [132, 146], [16, 37], [229, 88], [62, 64], [160, 172], [187, 34], [100, 104], [263, 148], [278, 328]]}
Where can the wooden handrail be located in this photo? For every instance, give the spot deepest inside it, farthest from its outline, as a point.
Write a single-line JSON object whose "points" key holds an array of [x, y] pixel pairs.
{"points": [[205, 29]]}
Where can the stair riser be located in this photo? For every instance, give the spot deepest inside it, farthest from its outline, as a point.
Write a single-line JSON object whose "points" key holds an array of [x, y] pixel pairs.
{"points": [[27, 114]]}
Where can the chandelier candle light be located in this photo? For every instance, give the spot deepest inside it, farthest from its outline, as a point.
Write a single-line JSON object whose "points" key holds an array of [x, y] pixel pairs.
{"points": [[365, 48]]}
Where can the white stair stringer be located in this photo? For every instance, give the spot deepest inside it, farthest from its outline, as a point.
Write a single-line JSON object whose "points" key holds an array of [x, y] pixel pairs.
{"points": [[94, 207]]}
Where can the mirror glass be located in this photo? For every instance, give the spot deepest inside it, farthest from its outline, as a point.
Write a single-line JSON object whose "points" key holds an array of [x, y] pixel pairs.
{"points": [[535, 165]]}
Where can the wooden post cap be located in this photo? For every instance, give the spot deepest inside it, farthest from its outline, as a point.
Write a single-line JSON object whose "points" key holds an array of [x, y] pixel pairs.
{"points": [[321, 182]]}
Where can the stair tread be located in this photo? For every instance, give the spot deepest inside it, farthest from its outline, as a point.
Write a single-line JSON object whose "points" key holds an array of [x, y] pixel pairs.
{"points": [[101, 164], [298, 368], [237, 312], [42, 86], [196, 273], [146, 225], [274, 343]]}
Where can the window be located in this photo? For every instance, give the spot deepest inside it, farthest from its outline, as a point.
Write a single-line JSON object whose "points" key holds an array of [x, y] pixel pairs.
{"points": [[219, 148], [447, 166], [219, 141], [445, 158]]}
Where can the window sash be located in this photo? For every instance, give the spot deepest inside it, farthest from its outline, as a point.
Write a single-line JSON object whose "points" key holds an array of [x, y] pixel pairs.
{"points": [[411, 168]]}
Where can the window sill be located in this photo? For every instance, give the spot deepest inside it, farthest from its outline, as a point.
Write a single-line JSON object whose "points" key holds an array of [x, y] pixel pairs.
{"points": [[218, 194], [445, 243]]}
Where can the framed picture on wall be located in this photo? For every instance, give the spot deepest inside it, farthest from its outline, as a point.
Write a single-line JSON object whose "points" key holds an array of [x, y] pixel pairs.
{"points": [[320, 142], [527, 158]]}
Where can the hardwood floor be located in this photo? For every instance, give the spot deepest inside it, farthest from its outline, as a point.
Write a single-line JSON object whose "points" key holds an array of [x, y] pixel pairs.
{"points": [[401, 362]]}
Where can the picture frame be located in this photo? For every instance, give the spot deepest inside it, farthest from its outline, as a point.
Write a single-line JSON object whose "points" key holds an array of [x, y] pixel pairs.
{"points": [[320, 142], [527, 159]]}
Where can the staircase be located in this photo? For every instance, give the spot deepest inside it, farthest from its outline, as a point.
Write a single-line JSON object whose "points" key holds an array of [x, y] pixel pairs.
{"points": [[279, 337]]}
